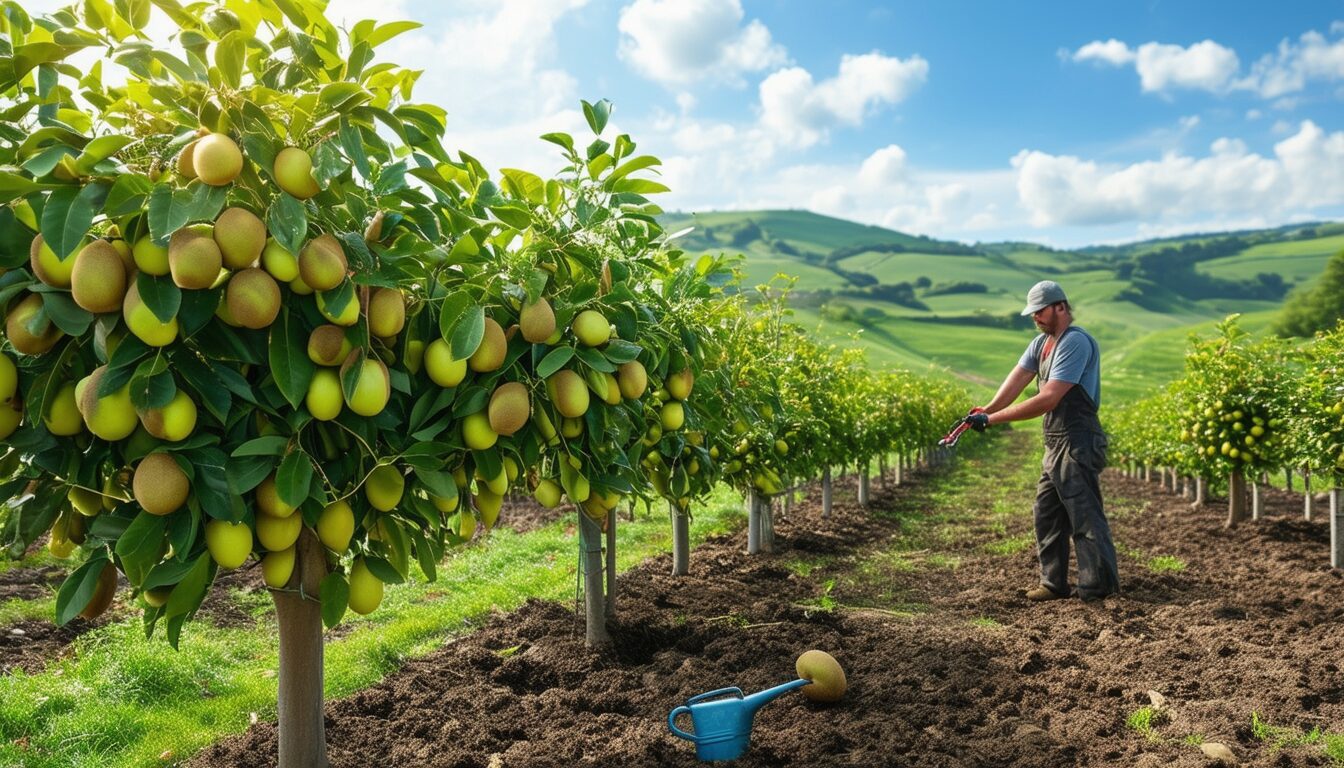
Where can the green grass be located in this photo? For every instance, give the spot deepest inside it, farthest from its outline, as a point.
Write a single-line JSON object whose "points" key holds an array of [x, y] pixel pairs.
{"points": [[13, 611], [985, 622], [1145, 720], [123, 700], [1282, 737], [1165, 564], [1011, 545]]}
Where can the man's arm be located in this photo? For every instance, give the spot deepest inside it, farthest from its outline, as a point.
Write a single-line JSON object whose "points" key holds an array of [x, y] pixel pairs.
{"points": [[1012, 387], [1041, 403]]}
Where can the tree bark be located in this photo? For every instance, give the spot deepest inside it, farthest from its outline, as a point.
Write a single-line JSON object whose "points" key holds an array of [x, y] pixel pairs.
{"points": [[863, 485], [1199, 493], [611, 563], [1236, 499], [1288, 478], [826, 493], [595, 604], [1336, 530], [898, 469], [1308, 503], [298, 610], [681, 539], [754, 531]]}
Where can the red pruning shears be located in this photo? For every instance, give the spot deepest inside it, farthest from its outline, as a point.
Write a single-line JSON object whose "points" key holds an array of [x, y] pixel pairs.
{"points": [[951, 438]]}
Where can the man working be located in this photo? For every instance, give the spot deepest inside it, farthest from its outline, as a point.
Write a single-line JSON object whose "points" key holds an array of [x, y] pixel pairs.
{"points": [[1068, 496]]}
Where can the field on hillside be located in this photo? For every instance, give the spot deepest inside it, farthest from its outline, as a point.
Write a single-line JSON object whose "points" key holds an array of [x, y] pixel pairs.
{"points": [[1143, 344]]}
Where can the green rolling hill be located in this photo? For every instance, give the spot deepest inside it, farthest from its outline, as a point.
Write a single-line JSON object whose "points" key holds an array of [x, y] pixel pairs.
{"points": [[925, 304]]}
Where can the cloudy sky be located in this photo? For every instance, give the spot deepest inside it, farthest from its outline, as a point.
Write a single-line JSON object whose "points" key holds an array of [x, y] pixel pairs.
{"points": [[1064, 123]]}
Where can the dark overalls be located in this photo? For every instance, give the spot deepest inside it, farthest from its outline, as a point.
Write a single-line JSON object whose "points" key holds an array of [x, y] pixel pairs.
{"points": [[1068, 495]]}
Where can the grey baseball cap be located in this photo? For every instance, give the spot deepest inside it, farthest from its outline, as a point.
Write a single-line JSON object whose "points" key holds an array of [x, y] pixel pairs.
{"points": [[1042, 295]]}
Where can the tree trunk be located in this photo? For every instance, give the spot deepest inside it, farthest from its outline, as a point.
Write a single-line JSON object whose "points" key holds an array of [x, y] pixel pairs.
{"points": [[1147, 473], [863, 485], [594, 601], [897, 467], [767, 524], [882, 469], [1288, 478], [1336, 530], [681, 539], [611, 563], [760, 527], [1236, 499], [826, 493], [298, 610], [1308, 503], [1199, 493], [1187, 487]]}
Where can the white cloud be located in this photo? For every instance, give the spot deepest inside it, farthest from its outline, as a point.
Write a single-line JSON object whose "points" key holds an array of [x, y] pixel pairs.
{"points": [[1289, 70], [1112, 52], [801, 112], [677, 42], [1204, 66], [1305, 173]]}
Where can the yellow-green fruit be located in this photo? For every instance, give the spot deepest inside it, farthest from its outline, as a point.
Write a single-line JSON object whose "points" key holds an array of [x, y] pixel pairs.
{"points": [[366, 590], [111, 417], [269, 502], [488, 505], [62, 417], [547, 493], [327, 345], [372, 389], [336, 526], [324, 399], [490, 355], [384, 488], [632, 379], [11, 416], [229, 543], [193, 257], [185, 167], [142, 321], [282, 264], [440, 365], [511, 468], [374, 231], [545, 426], [568, 393], [499, 484], [150, 258], [277, 567], [445, 503], [672, 416], [123, 250], [571, 428], [86, 502], [174, 421], [537, 321], [277, 533], [387, 312], [465, 526], [157, 598], [216, 160], [591, 328], [102, 594], [680, 383], [415, 356], [9, 378], [47, 267], [253, 298], [241, 236], [476, 432], [826, 674], [348, 316], [612, 388], [98, 281], [299, 287], [27, 341], [293, 171], [160, 486], [322, 263], [509, 409]]}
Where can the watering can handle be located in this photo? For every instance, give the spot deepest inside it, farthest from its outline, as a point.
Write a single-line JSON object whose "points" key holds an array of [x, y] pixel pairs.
{"points": [[672, 724], [720, 692]]}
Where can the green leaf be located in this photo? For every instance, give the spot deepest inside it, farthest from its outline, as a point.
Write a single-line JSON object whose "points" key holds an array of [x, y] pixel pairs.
{"points": [[271, 445], [390, 30], [639, 187], [352, 141], [207, 201], [127, 196], [78, 588], [154, 391], [188, 595], [140, 546], [524, 185], [294, 478], [229, 53], [621, 351], [468, 333], [554, 361], [560, 139], [595, 359], [13, 186], [383, 569], [335, 593], [452, 310], [438, 483], [288, 222], [288, 356], [160, 294], [425, 455], [246, 472], [69, 214], [169, 210], [338, 298], [66, 314], [630, 166], [343, 96], [99, 150], [513, 215], [597, 115]]}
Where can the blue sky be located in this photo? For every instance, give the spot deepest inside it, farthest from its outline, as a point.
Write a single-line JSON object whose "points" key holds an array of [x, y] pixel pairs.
{"points": [[1065, 123]]}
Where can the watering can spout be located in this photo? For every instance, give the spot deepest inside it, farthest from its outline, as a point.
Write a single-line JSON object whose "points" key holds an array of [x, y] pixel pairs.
{"points": [[757, 700]]}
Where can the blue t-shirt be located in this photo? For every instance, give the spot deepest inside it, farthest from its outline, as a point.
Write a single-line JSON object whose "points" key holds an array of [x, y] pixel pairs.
{"points": [[1075, 359]]}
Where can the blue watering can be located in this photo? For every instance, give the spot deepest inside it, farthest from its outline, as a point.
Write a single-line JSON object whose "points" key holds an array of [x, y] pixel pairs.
{"points": [[723, 726]]}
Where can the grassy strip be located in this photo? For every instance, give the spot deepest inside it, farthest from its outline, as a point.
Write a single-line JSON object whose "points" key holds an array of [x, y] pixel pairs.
{"points": [[127, 701]]}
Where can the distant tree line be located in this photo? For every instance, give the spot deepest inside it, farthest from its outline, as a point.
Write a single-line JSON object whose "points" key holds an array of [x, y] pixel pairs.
{"points": [[1173, 268], [1309, 310]]}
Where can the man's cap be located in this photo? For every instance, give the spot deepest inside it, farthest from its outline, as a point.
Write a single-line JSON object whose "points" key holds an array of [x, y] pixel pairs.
{"points": [[1042, 295]]}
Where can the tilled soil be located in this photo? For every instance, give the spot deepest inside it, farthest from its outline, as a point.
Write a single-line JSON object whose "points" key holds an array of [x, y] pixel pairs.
{"points": [[979, 677]]}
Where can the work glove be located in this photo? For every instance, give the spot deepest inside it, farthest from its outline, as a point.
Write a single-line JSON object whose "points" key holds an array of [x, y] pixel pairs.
{"points": [[978, 420]]}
